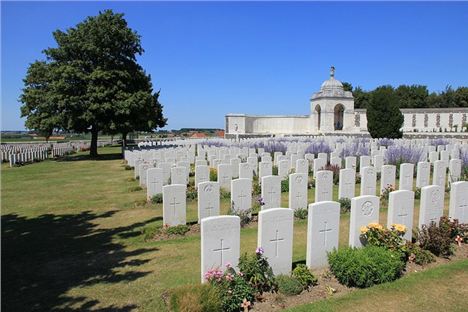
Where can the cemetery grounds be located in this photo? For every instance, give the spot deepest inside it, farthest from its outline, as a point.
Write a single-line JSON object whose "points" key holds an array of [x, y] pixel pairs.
{"points": [[77, 236]]}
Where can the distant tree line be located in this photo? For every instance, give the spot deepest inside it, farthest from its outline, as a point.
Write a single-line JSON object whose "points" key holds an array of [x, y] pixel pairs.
{"points": [[413, 96]]}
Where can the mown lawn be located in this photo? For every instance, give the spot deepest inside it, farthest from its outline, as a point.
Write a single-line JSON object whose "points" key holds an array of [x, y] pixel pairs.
{"points": [[73, 239], [443, 288]]}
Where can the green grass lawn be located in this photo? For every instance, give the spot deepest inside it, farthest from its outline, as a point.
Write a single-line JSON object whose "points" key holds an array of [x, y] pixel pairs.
{"points": [[439, 289], [73, 239]]}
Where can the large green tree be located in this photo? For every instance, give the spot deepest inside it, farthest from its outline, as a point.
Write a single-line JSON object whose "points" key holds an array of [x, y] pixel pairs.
{"points": [[91, 82], [384, 118]]}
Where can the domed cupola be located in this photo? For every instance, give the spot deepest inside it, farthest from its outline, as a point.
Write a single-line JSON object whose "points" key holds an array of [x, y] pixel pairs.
{"points": [[332, 84], [332, 87]]}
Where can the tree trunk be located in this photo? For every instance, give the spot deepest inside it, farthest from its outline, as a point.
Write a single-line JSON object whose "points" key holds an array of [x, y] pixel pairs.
{"points": [[94, 137], [124, 143]]}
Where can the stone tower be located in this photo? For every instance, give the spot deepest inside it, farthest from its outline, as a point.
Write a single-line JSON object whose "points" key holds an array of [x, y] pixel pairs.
{"points": [[332, 108]]}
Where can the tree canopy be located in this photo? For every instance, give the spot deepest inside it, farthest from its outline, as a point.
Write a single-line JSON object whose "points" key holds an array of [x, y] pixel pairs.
{"points": [[415, 96], [384, 118], [91, 82]]}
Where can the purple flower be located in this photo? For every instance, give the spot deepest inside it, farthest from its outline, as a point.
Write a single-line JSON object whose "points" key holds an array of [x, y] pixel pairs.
{"points": [[259, 251], [261, 201], [396, 155]]}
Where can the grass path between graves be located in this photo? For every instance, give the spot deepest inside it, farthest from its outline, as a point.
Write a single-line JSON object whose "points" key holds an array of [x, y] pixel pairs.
{"points": [[441, 288], [73, 238]]}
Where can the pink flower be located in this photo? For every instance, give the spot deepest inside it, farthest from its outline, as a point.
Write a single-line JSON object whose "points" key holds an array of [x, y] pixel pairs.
{"points": [[259, 251], [228, 265]]}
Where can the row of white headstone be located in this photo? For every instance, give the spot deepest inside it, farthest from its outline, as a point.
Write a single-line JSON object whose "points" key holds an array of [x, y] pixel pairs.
{"points": [[220, 235]]}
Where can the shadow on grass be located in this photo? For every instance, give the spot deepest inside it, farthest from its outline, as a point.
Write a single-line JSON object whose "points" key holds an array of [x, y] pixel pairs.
{"points": [[44, 257]]}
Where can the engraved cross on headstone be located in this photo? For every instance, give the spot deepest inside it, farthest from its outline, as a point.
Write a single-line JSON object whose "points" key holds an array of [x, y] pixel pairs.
{"points": [[241, 197], [276, 240], [210, 207], [270, 193], [324, 232], [403, 214], [173, 204], [221, 251]]}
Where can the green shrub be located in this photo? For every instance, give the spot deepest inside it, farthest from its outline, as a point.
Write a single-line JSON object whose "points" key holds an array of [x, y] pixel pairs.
{"points": [[365, 267], [386, 192], [301, 213], [417, 193], [213, 175], [438, 239], [223, 194], [302, 273], [180, 229], [345, 204], [418, 255], [274, 170], [195, 298], [234, 289], [256, 188], [257, 272], [157, 199], [311, 184], [285, 186], [134, 189], [336, 172], [244, 215], [192, 195], [289, 286], [392, 239]]}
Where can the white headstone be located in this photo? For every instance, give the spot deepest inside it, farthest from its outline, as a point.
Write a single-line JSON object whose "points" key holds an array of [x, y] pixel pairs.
{"points": [[324, 186], [154, 181], [423, 174], [241, 194], [224, 176], [302, 166], [459, 201], [297, 191], [178, 175], [455, 166], [174, 204], [364, 161], [368, 181], [364, 210], [208, 200], [275, 236], [432, 204], [319, 164], [283, 169], [202, 174], [406, 177], [264, 169], [220, 243], [322, 232], [387, 178], [400, 210], [350, 162], [235, 167], [347, 183], [253, 162], [245, 171], [440, 173], [271, 192]]}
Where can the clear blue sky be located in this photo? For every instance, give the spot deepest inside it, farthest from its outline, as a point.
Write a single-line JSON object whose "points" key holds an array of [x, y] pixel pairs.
{"points": [[212, 58]]}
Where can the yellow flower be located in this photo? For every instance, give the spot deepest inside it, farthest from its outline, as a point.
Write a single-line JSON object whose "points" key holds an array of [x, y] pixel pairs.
{"points": [[400, 227], [375, 226], [364, 229]]}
